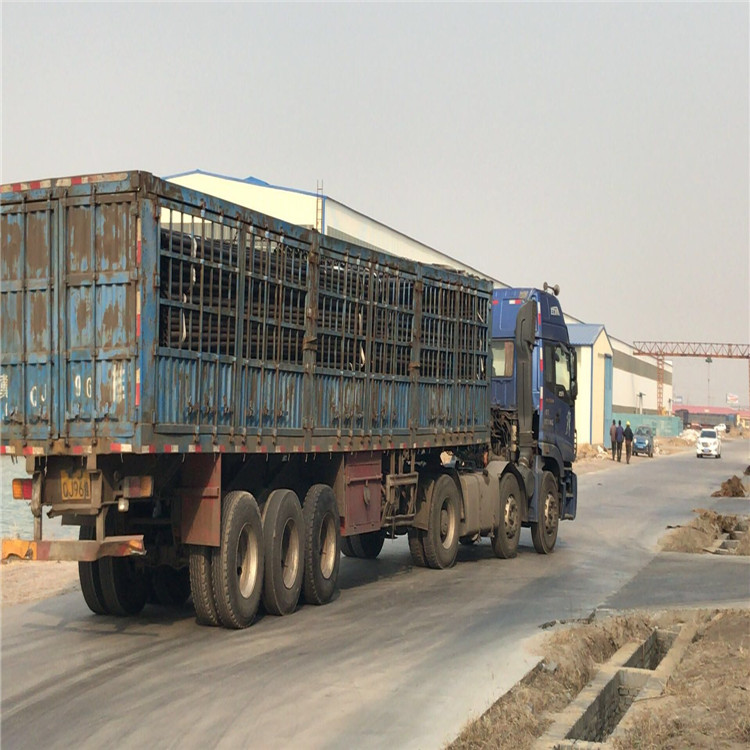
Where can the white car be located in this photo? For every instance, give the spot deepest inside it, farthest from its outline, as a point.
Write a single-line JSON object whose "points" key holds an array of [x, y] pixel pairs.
{"points": [[708, 444], [721, 427]]}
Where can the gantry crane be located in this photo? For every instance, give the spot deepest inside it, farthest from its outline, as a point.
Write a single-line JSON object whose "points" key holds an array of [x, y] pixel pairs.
{"points": [[663, 349]]}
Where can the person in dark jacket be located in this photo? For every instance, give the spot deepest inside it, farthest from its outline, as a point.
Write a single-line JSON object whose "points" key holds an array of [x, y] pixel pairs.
{"points": [[613, 439], [627, 433], [619, 437]]}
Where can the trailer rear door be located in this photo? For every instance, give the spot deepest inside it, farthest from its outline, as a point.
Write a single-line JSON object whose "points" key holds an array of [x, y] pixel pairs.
{"points": [[68, 281]]}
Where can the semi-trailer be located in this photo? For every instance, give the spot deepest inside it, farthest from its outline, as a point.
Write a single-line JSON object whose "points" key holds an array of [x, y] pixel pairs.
{"points": [[224, 402]]}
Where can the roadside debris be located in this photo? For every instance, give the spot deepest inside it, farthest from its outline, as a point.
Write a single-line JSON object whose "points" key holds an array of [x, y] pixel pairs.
{"points": [[732, 487], [710, 532], [689, 436]]}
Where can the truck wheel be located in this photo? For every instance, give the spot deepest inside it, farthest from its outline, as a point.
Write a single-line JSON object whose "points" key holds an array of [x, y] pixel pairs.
{"points": [[237, 563], [441, 538], [283, 543], [171, 586], [416, 547], [508, 532], [201, 585], [124, 587], [322, 544], [346, 546], [88, 575], [544, 531], [368, 546]]}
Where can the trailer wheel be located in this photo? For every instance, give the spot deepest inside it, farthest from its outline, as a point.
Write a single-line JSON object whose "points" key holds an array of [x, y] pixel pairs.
{"points": [[322, 544], [201, 585], [237, 563], [171, 586], [368, 546], [283, 543], [508, 532], [441, 538], [124, 587], [544, 531], [88, 575], [346, 546]]}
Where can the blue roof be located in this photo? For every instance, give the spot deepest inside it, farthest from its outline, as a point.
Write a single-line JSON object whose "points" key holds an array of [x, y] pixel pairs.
{"points": [[584, 334]]}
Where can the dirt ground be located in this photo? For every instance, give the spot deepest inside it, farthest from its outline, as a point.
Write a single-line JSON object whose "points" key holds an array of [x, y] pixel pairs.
{"points": [[706, 703], [703, 531], [25, 581]]}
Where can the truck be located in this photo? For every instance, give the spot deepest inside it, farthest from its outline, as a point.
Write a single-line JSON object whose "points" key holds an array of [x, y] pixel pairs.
{"points": [[223, 402]]}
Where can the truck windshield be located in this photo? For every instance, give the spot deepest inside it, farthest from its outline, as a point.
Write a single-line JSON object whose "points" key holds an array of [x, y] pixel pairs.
{"points": [[502, 359]]}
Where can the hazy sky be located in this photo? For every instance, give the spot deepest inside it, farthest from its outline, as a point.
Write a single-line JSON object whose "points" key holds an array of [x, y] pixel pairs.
{"points": [[603, 147]]}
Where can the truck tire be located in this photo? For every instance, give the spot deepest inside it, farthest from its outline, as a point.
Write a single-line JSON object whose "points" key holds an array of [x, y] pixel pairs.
{"points": [[171, 586], [237, 563], [124, 587], [88, 575], [508, 532], [416, 547], [322, 544], [201, 585], [367, 546], [346, 546], [441, 538], [544, 531], [283, 544]]}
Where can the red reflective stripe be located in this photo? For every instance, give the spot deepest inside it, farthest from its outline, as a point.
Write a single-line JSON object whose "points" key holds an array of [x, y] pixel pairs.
{"points": [[76, 180]]}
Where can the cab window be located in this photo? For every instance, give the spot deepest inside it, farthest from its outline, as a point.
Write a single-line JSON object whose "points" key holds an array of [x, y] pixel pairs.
{"points": [[502, 359], [557, 367]]}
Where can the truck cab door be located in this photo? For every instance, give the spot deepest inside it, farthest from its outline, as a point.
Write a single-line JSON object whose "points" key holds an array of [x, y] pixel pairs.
{"points": [[560, 390]]}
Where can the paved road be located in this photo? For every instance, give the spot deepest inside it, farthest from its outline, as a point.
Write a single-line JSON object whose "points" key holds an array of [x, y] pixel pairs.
{"points": [[400, 659]]}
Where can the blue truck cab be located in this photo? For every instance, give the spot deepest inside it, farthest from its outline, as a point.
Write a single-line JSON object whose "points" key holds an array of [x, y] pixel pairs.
{"points": [[533, 391]]}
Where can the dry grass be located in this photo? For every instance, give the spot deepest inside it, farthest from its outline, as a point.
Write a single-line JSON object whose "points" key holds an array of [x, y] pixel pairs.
{"points": [[707, 701], [571, 658]]}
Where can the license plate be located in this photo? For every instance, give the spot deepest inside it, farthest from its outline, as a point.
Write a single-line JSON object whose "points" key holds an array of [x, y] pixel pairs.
{"points": [[75, 486]]}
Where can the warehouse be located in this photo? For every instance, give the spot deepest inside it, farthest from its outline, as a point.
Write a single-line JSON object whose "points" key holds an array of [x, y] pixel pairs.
{"points": [[627, 385]]}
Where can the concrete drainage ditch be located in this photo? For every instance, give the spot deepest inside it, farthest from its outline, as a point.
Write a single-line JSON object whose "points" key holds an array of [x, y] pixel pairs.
{"points": [[606, 706], [727, 543]]}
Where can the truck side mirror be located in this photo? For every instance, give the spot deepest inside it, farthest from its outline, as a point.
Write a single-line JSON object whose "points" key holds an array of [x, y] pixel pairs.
{"points": [[573, 374]]}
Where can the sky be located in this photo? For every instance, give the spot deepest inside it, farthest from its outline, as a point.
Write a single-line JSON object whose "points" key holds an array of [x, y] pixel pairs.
{"points": [[599, 146]]}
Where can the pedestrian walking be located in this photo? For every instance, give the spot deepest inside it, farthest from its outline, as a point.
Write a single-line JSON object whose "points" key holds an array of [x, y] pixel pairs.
{"points": [[613, 439], [627, 433], [619, 437]]}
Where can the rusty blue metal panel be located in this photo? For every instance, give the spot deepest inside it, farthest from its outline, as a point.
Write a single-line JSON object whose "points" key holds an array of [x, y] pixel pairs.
{"points": [[138, 311]]}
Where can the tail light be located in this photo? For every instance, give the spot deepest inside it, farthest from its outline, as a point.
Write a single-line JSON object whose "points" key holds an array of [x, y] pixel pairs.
{"points": [[22, 489]]}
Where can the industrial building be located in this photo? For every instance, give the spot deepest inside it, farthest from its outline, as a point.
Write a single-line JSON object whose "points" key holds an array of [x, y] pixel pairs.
{"points": [[612, 380]]}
